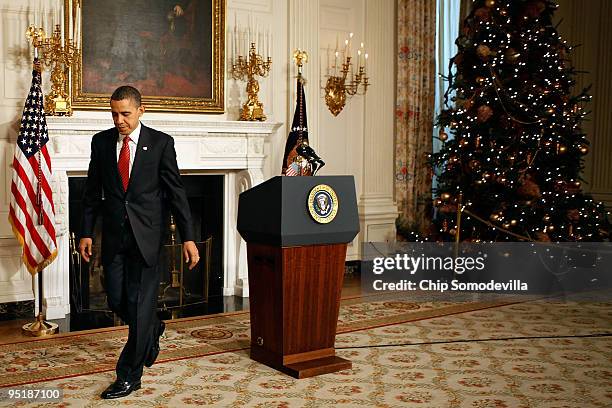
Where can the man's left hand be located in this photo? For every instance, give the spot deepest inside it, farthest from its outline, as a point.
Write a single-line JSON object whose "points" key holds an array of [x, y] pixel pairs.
{"points": [[191, 254]]}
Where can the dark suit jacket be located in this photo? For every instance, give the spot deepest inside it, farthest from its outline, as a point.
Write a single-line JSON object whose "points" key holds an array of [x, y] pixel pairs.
{"points": [[154, 175]]}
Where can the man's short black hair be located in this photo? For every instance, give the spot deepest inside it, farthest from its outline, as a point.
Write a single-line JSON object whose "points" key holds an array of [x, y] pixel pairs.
{"points": [[127, 92]]}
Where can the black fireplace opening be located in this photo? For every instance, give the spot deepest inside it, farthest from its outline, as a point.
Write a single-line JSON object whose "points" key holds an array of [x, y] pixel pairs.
{"points": [[202, 289]]}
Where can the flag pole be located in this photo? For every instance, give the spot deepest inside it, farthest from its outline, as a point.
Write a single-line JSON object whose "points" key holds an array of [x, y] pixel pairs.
{"points": [[40, 327]]}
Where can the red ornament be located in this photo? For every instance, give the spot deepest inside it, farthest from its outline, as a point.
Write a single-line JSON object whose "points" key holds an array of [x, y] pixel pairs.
{"points": [[484, 113], [482, 14]]}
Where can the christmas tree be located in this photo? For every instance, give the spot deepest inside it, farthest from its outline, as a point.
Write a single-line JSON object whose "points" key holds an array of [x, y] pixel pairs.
{"points": [[514, 162]]}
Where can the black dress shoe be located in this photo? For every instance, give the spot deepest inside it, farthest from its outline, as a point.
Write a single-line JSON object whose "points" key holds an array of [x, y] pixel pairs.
{"points": [[154, 352], [120, 389]]}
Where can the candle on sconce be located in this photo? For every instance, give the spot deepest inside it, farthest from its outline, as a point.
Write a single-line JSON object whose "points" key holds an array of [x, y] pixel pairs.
{"points": [[256, 34], [359, 58], [346, 50], [43, 9], [336, 64], [361, 54], [250, 31], [235, 38], [365, 62], [61, 21]]}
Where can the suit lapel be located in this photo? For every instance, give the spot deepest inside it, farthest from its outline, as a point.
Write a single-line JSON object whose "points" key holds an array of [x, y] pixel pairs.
{"points": [[143, 140]]}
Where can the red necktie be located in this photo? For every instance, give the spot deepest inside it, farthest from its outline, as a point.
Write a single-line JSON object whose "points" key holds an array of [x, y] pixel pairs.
{"points": [[124, 162]]}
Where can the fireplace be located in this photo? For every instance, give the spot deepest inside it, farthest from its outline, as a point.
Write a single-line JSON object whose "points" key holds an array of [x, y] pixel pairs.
{"points": [[192, 292], [232, 151]]}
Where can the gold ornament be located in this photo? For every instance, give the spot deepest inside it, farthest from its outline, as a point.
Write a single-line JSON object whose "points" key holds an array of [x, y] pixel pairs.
{"points": [[490, 3], [512, 55], [483, 51], [442, 135], [480, 80], [445, 196], [584, 149]]}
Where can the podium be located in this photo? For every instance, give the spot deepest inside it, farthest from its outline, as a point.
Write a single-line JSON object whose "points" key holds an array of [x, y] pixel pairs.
{"points": [[296, 257]]}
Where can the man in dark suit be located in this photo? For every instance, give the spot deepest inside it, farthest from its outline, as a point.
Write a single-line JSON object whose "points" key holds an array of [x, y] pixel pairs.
{"points": [[132, 168]]}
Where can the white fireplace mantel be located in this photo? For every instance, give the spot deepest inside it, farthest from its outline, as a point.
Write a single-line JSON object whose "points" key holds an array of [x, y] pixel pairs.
{"points": [[230, 148]]}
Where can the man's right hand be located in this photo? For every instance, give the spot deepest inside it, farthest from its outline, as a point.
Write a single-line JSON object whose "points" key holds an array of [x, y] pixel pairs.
{"points": [[85, 248]]}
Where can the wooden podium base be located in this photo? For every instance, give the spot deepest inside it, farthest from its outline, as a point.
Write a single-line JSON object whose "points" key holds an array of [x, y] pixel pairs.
{"points": [[295, 300], [301, 365], [320, 366]]}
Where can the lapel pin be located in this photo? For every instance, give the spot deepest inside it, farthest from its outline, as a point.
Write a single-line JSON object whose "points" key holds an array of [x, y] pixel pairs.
{"points": [[144, 147]]}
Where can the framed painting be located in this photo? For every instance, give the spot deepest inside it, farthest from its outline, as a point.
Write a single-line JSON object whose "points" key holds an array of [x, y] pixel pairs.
{"points": [[171, 50]]}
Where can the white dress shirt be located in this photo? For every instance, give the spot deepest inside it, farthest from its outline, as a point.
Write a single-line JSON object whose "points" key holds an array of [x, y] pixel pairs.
{"points": [[132, 144]]}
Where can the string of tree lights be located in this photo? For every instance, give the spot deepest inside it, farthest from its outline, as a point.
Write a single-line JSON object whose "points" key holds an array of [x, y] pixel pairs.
{"points": [[517, 150]]}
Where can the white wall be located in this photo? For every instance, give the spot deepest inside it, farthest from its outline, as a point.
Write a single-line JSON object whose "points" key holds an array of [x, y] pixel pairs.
{"points": [[359, 141]]}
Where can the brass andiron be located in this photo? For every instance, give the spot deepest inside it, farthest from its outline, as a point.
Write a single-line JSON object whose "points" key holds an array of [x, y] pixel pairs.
{"points": [[60, 56], [248, 68], [175, 265], [339, 86]]}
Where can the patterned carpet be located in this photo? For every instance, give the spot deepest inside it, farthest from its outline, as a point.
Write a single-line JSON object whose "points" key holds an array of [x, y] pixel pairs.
{"points": [[562, 372]]}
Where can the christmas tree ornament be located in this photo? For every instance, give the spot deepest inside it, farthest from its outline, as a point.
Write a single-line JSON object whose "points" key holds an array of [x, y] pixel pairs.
{"points": [[482, 14], [573, 214], [490, 3], [512, 55], [442, 135], [483, 52], [484, 113]]}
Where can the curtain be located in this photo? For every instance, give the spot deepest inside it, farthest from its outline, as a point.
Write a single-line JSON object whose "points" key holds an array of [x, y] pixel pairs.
{"points": [[416, 32], [447, 31]]}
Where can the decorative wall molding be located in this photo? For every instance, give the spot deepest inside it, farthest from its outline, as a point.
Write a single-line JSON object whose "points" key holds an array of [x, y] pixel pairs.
{"points": [[376, 203]]}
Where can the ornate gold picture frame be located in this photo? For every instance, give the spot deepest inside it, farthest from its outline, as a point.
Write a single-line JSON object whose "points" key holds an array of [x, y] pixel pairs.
{"points": [[172, 51]]}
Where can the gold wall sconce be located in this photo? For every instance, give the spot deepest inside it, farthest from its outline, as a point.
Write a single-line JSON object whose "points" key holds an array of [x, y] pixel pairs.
{"points": [[346, 79]]}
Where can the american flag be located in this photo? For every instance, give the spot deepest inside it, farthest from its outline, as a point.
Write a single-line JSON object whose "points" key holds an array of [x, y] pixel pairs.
{"points": [[292, 170], [31, 211], [298, 133]]}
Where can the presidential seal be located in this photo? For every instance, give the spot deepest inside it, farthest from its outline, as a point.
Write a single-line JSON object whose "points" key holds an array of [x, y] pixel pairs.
{"points": [[323, 203]]}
